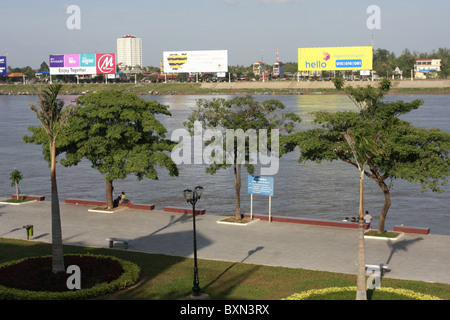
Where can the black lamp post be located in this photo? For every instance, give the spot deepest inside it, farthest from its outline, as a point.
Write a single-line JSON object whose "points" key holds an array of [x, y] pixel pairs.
{"points": [[192, 197]]}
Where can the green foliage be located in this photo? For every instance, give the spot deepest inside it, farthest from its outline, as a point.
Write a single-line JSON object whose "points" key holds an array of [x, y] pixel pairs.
{"points": [[15, 177], [240, 113], [386, 147], [50, 112], [338, 82], [385, 62], [119, 134]]}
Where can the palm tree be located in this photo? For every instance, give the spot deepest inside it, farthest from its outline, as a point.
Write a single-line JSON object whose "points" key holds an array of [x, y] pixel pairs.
{"points": [[361, 253], [363, 147], [51, 115]]}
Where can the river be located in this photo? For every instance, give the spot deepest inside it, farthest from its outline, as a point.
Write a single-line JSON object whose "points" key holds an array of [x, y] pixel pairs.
{"points": [[309, 190]]}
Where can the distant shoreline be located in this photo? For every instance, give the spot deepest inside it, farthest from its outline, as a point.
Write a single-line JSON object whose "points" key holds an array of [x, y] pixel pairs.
{"points": [[244, 87]]}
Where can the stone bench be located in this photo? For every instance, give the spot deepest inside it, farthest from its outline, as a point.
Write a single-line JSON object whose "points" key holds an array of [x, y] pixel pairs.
{"points": [[121, 240], [184, 210], [408, 229]]}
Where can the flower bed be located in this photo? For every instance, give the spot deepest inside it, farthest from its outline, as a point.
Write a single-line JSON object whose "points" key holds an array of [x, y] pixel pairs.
{"points": [[32, 278], [330, 293]]}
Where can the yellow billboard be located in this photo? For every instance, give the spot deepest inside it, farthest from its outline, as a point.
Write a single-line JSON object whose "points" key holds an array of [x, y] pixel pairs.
{"points": [[335, 58]]}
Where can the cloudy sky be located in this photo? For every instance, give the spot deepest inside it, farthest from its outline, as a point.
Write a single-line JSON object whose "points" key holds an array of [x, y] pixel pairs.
{"points": [[250, 30]]}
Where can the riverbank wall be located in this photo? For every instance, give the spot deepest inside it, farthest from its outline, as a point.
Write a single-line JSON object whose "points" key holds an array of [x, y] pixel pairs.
{"points": [[318, 85]]}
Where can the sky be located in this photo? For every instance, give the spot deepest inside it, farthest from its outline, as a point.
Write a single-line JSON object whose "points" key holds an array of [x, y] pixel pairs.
{"points": [[251, 30]]}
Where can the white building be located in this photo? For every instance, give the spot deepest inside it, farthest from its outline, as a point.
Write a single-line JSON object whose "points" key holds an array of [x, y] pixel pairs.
{"points": [[424, 67], [129, 51]]}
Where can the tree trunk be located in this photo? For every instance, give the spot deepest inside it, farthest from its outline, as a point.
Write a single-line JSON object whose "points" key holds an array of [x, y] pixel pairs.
{"points": [[57, 245], [109, 196], [17, 189], [237, 185], [361, 253], [387, 204]]}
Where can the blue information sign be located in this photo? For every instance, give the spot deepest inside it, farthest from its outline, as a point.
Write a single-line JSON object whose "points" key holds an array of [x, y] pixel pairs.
{"points": [[260, 185]]}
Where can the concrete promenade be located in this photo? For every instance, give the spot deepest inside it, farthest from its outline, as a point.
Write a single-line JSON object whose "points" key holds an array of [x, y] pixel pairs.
{"points": [[412, 256]]}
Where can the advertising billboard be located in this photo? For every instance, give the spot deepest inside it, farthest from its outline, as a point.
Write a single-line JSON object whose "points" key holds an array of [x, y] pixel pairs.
{"points": [[106, 63], [195, 61], [335, 58], [88, 63], [3, 66]]}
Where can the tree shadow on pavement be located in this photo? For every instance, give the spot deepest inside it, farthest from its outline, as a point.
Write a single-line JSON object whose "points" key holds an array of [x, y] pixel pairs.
{"points": [[251, 252], [402, 245]]}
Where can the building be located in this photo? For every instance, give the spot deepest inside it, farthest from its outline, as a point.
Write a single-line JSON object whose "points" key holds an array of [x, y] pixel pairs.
{"points": [[427, 68], [129, 52], [258, 68], [278, 69]]}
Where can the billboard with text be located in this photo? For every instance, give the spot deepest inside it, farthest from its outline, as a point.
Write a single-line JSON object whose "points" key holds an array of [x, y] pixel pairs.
{"points": [[335, 58], [90, 63], [195, 61], [3, 66]]}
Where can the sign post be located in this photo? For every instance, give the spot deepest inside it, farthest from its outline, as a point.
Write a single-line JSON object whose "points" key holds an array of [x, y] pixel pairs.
{"points": [[263, 186]]}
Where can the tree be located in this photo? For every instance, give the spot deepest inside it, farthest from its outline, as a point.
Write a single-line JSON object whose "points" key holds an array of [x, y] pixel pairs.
{"points": [[244, 115], [15, 178], [44, 67], [119, 134], [373, 140], [362, 148], [403, 151], [53, 118], [339, 82]]}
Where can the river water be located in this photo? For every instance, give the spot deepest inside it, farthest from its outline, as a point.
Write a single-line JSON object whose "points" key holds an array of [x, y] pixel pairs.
{"points": [[309, 190]]}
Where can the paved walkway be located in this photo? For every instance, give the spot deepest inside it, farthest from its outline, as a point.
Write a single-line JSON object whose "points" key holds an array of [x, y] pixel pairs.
{"points": [[415, 257]]}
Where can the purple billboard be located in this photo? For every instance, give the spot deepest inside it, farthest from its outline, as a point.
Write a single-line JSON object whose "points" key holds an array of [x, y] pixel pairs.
{"points": [[3, 66], [56, 60]]}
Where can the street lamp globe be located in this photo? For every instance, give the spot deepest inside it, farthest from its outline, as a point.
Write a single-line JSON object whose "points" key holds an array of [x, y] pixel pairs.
{"points": [[188, 194], [198, 191]]}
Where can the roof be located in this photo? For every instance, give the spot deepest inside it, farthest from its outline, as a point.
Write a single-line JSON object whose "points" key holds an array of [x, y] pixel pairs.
{"points": [[16, 74]]}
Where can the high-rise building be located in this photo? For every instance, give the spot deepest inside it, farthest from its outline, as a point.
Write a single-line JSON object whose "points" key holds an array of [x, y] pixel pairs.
{"points": [[129, 51]]}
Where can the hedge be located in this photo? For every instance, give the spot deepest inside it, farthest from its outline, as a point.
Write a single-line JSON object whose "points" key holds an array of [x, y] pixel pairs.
{"points": [[129, 277]]}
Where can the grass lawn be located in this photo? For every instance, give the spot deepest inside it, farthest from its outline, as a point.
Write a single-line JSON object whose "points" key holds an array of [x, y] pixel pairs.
{"points": [[20, 200], [170, 278]]}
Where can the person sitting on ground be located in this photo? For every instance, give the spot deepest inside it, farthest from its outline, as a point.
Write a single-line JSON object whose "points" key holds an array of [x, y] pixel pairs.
{"points": [[353, 219], [123, 198], [345, 220], [116, 202]]}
